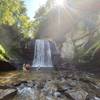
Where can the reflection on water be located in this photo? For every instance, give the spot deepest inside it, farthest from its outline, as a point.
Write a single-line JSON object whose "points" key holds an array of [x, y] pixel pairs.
{"points": [[15, 76], [25, 92]]}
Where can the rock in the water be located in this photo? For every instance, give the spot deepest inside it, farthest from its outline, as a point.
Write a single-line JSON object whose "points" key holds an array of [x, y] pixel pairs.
{"points": [[57, 94], [95, 89], [72, 83], [4, 87], [30, 84], [92, 97], [96, 98], [77, 94], [63, 86], [26, 93], [7, 93]]}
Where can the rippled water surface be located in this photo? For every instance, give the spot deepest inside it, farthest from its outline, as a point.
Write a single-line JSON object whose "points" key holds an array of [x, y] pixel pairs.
{"points": [[14, 76]]}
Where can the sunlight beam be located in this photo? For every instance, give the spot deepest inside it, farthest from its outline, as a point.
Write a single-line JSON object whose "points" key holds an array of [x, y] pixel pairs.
{"points": [[59, 2]]}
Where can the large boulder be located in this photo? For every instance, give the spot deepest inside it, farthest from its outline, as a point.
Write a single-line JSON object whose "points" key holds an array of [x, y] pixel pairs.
{"points": [[6, 94], [77, 95], [6, 66]]}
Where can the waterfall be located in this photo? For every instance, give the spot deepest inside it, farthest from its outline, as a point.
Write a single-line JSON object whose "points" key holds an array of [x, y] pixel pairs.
{"points": [[42, 54]]}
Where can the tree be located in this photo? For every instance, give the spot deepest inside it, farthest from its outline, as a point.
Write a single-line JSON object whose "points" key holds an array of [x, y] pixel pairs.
{"points": [[13, 13], [15, 26]]}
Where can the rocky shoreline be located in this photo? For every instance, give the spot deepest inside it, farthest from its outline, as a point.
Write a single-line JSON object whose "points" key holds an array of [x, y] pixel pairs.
{"points": [[64, 85]]}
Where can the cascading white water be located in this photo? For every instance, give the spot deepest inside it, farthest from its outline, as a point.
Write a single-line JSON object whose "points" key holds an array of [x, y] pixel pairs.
{"points": [[42, 54]]}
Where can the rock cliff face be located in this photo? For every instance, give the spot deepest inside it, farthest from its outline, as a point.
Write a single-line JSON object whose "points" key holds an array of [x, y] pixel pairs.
{"points": [[28, 52], [55, 54]]}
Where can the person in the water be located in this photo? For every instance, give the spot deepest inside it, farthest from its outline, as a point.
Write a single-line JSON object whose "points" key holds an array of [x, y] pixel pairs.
{"points": [[26, 67]]}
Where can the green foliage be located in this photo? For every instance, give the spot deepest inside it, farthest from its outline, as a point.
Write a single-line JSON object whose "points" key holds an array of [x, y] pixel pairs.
{"points": [[10, 11], [93, 49], [3, 54], [13, 13], [2, 50], [15, 26]]}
